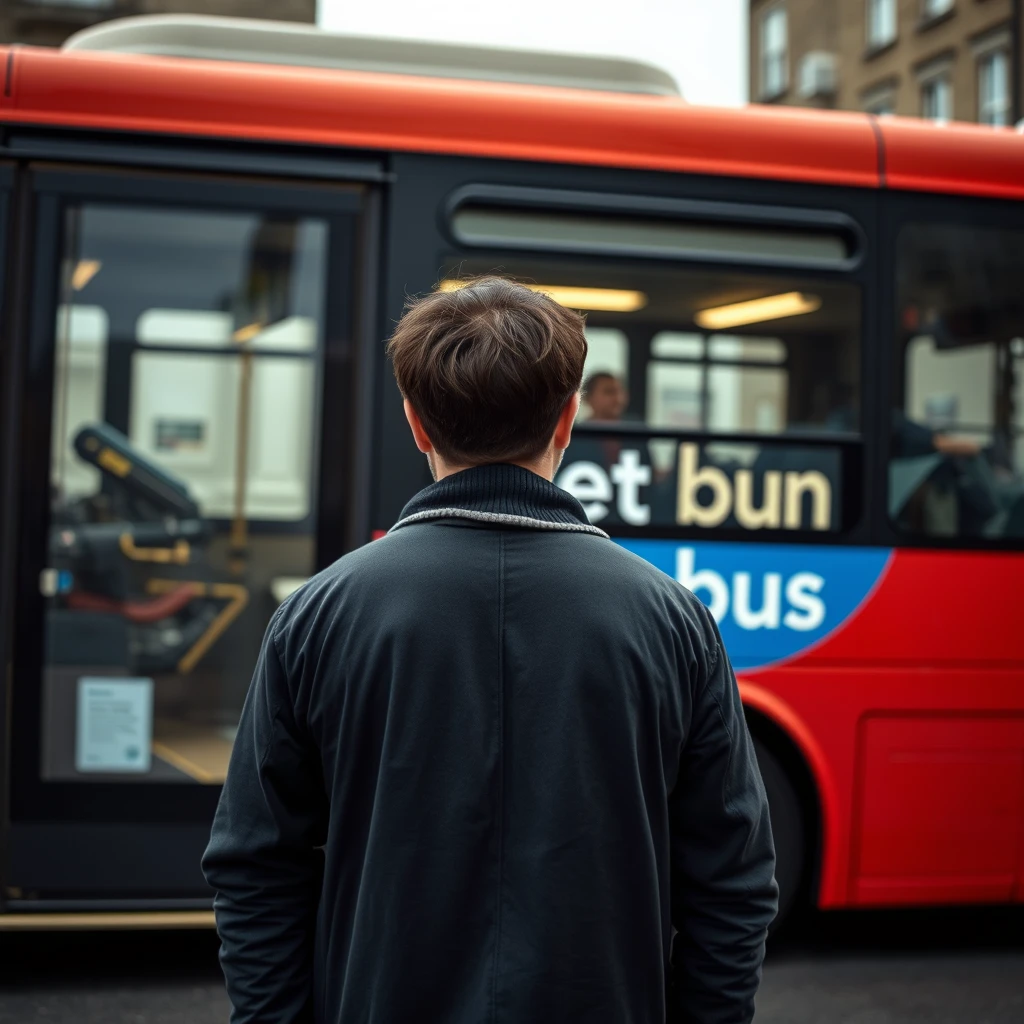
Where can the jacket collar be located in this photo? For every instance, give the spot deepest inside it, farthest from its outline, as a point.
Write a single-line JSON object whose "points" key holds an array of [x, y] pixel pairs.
{"points": [[500, 494]]}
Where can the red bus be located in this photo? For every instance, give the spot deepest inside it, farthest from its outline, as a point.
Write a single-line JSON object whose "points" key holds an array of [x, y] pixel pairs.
{"points": [[817, 319]]}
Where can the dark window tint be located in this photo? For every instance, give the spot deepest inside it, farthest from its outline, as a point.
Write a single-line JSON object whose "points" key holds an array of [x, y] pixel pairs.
{"points": [[957, 448]]}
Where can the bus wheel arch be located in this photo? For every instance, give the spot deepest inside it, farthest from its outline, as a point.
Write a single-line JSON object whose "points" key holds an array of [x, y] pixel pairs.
{"points": [[798, 808]]}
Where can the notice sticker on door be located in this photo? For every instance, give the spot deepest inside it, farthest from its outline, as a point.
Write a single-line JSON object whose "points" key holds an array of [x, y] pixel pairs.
{"points": [[115, 725]]}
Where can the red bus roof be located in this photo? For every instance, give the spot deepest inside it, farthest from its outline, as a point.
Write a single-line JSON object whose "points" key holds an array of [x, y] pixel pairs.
{"points": [[405, 113]]}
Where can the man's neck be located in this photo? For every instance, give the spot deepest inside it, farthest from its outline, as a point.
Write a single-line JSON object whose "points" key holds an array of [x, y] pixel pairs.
{"points": [[545, 465]]}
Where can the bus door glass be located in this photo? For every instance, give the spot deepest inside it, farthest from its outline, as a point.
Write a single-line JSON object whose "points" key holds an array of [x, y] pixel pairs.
{"points": [[181, 369]]}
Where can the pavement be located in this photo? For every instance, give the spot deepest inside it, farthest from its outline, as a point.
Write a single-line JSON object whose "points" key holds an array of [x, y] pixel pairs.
{"points": [[964, 967]]}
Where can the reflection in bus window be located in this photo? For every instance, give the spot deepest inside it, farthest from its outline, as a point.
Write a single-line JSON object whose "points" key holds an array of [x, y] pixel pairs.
{"points": [[184, 426], [957, 451]]}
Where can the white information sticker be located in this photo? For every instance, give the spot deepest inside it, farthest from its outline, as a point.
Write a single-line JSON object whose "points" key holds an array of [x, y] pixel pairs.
{"points": [[115, 725]]}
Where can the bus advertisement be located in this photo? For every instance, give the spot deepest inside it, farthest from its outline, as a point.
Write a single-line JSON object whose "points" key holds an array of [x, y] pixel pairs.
{"points": [[803, 400]]}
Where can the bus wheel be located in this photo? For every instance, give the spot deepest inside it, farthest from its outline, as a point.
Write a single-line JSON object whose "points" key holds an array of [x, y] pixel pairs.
{"points": [[787, 829]]}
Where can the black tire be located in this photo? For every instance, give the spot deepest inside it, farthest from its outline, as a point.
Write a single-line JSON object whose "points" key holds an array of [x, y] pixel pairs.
{"points": [[788, 830]]}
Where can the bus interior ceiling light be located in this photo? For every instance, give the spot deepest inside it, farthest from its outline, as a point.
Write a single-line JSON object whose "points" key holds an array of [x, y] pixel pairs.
{"points": [[755, 311], [605, 300], [84, 272]]}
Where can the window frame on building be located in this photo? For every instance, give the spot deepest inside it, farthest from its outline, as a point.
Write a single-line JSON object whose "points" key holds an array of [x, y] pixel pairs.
{"points": [[880, 100], [932, 10], [994, 47], [936, 79], [771, 86], [881, 32]]}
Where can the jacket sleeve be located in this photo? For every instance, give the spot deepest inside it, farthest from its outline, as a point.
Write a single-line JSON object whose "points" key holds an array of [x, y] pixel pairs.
{"points": [[724, 894], [263, 860]]}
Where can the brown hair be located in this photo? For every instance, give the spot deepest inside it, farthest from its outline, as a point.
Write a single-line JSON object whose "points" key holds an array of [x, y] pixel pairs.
{"points": [[488, 367]]}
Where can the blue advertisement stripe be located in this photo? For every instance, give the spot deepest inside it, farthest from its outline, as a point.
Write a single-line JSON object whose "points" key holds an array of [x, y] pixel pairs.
{"points": [[771, 601]]}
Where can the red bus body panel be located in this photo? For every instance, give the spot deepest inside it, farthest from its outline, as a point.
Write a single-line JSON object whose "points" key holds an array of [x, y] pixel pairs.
{"points": [[400, 112], [962, 159], [910, 716]]}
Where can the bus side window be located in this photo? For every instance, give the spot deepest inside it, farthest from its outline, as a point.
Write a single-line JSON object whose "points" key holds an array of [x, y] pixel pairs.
{"points": [[957, 447], [706, 351]]}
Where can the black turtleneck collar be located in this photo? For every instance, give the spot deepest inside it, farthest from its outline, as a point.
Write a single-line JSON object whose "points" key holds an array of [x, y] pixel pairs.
{"points": [[501, 494]]}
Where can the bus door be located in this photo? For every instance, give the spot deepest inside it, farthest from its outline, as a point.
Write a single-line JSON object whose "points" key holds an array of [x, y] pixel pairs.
{"points": [[184, 463]]}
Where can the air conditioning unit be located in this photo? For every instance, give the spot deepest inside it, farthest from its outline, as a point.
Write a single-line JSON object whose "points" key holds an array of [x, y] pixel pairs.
{"points": [[819, 76]]}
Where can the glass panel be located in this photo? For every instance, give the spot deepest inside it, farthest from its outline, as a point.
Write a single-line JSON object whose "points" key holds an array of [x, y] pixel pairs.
{"points": [[881, 22], [774, 77], [480, 225], [672, 345], [957, 457], [937, 99], [994, 89], [745, 400], [754, 350], [675, 396], [184, 434], [803, 376]]}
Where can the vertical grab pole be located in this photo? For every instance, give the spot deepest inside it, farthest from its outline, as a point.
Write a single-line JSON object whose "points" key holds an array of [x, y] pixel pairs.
{"points": [[239, 524]]}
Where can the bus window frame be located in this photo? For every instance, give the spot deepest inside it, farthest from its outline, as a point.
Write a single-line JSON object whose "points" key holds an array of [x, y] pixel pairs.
{"points": [[343, 207], [898, 211], [7, 435]]}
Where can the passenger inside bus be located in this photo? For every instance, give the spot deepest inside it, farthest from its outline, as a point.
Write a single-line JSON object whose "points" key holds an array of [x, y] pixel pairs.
{"points": [[604, 397]]}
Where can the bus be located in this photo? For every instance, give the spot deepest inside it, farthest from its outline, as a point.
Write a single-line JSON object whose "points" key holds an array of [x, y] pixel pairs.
{"points": [[811, 324]]}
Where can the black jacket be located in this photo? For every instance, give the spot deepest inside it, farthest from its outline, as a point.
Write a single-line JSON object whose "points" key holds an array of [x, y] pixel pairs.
{"points": [[487, 765]]}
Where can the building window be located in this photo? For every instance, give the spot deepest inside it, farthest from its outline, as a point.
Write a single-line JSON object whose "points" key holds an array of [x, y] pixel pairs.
{"points": [[881, 23], [934, 8], [880, 101], [937, 98], [994, 88], [774, 52]]}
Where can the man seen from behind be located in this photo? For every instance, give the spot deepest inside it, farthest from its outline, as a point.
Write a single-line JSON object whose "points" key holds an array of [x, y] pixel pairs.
{"points": [[492, 767]]}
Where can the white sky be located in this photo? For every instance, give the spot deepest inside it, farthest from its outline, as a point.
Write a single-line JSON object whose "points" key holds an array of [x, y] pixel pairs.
{"points": [[702, 43]]}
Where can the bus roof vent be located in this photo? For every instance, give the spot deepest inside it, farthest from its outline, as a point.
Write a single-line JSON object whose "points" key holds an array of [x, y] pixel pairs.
{"points": [[278, 42]]}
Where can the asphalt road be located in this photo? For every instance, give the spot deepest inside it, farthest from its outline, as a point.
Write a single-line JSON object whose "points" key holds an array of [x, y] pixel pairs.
{"points": [[918, 968]]}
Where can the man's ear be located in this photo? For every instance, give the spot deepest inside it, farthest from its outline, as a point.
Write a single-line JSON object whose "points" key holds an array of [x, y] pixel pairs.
{"points": [[563, 430], [416, 426]]}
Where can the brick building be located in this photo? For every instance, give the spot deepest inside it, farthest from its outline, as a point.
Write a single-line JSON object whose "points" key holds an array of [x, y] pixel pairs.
{"points": [[944, 59], [50, 22]]}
